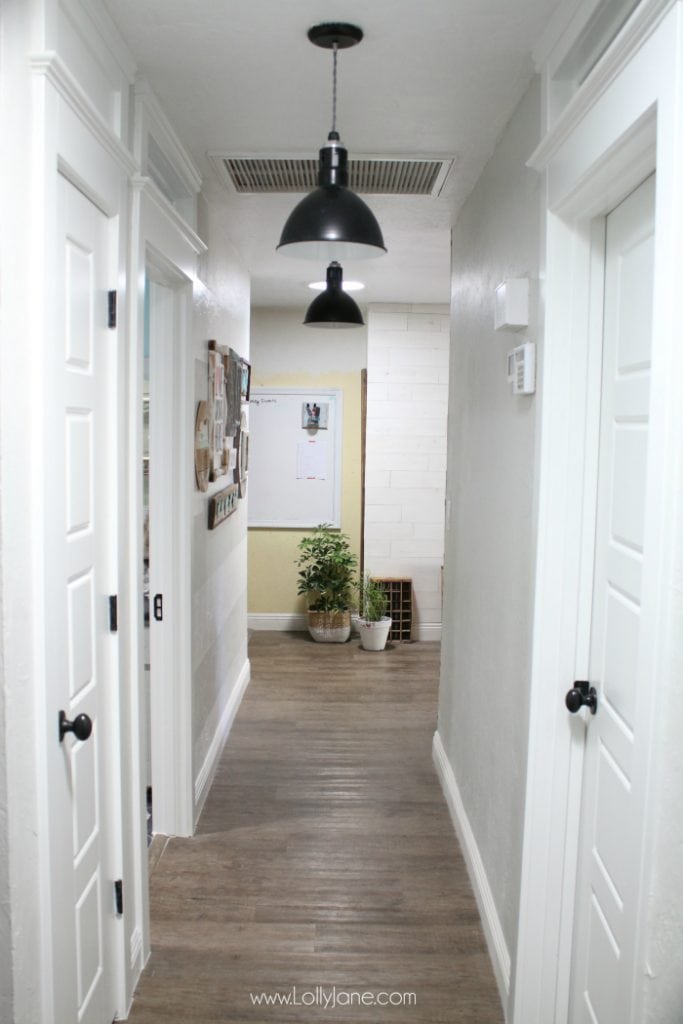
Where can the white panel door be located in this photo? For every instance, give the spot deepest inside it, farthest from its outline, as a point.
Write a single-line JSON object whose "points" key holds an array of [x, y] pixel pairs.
{"points": [[80, 574], [608, 882]]}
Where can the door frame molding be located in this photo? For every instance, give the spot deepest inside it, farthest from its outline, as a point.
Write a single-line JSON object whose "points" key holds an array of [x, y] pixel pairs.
{"points": [[592, 158], [171, 692], [162, 242], [63, 145]]}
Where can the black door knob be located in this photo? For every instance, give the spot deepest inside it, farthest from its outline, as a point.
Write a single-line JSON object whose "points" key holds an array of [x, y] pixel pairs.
{"points": [[582, 695], [81, 726]]}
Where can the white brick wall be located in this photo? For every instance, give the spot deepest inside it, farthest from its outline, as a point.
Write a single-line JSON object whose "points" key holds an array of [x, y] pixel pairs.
{"points": [[405, 473]]}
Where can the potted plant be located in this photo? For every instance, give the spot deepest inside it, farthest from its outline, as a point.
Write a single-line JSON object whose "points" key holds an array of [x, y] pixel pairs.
{"points": [[327, 569], [374, 624]]}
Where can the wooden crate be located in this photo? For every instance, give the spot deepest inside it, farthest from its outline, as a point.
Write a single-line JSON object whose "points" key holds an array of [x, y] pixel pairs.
{"points": [[400, 606]]}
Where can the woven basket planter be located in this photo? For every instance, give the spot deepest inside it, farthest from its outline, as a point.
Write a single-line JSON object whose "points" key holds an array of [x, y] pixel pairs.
{"points": [[330, 627]]}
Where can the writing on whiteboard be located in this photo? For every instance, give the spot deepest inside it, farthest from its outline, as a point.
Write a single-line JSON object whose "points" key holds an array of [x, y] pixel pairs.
{"points": [[311, 460]]}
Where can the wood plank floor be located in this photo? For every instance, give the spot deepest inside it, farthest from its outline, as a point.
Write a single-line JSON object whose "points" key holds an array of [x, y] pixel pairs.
{"points": [[324, 856]]}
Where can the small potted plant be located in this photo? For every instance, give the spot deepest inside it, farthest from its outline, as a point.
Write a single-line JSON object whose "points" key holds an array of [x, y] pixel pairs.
{"points": [[327, 569], [374, 624]]}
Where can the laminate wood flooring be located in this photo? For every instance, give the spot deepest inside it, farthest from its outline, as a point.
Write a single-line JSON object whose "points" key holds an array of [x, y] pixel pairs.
{"points": [[324, 859]]}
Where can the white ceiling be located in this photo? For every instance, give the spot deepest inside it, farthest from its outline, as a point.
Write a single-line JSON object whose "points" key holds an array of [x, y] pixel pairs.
{"points": [[431, 77]]}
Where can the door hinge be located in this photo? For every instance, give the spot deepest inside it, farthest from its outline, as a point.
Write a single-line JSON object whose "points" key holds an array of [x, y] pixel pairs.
{"points": [[118, 895], [113, 613], [159, 607], [111, 308]]}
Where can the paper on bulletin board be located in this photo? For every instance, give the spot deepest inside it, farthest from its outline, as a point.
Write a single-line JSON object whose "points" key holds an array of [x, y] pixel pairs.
{"points": [[311, 460]]}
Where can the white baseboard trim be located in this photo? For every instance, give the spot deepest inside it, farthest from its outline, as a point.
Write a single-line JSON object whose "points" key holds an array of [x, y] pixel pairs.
{"points": [[136, 951], [290, 621], [137, 965], [207, 771], [278, 621], [495, 940], [428, 631]]}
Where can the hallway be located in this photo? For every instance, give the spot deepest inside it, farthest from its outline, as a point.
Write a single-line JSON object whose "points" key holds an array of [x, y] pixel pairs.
{"points": [[325, 855]]}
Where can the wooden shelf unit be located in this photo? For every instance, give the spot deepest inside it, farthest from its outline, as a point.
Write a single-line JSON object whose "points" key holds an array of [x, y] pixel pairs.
{"points": [[400, 591]]}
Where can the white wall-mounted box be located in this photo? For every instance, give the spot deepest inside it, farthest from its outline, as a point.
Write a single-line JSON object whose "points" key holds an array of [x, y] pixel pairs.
{"points": [[511, 308]]}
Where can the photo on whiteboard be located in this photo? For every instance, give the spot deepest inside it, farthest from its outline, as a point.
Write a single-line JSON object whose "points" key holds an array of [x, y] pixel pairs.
{"points": [[315, 414]]}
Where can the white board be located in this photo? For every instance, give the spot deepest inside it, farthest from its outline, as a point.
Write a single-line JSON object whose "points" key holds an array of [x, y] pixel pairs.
{"points": [[294, 471]]}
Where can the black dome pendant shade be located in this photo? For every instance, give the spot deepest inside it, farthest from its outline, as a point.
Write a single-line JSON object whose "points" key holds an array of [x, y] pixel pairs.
{"points": [[332, 222], [333, 307]]}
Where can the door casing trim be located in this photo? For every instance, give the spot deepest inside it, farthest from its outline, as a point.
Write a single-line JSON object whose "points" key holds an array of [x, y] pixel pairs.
{"points": [[631, 130]]}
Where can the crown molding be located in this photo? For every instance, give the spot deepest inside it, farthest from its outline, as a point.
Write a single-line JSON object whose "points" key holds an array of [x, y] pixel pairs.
{"points": [[642, 24], [165, 135], [105, 29], [567, 19], [51, 66], [145, 186]]}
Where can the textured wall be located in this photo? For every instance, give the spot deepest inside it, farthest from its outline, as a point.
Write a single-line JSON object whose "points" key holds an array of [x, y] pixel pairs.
{"points": [[286, 354], [405, 471], [219, 557], [491, 485]]}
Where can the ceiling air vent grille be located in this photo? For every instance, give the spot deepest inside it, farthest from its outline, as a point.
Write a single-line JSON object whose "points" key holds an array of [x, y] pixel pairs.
{"points": [[370, 175]]}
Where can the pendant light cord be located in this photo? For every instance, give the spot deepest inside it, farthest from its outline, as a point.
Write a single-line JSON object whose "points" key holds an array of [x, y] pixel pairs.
{"points": [[334, 88]]}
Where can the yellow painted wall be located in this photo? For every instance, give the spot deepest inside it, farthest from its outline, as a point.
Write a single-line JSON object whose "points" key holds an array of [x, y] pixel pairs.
{"points": [[272, 553]]}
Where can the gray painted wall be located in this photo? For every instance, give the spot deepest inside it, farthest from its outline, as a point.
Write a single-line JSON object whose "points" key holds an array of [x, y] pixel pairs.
{"points": [[219, 557], [490, 543]]}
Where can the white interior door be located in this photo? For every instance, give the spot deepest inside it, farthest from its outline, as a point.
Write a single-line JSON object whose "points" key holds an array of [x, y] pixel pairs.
{"points": [[80, 523], [604, 971]]}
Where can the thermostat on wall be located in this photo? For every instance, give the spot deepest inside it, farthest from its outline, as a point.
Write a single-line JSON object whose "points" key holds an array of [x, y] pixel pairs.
{"points": [[522, 369]]}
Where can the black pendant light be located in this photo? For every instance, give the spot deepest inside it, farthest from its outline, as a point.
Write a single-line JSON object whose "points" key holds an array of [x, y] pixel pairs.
{"points": [[333, 307], [332, 222]]}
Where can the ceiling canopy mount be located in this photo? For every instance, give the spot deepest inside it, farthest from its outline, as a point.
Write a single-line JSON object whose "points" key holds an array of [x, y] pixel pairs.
{"points": [[335, 33]]}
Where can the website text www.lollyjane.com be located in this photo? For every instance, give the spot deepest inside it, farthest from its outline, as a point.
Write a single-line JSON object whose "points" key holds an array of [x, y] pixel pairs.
{"points": [[330, 998]]}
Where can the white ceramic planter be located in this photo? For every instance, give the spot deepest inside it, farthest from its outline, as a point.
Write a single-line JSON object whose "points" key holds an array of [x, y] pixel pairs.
{"points": [[373, 635]]}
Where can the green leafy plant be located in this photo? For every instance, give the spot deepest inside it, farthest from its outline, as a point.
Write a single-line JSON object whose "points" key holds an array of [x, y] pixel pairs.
{"points": [[373, 599], [327, 569]]}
